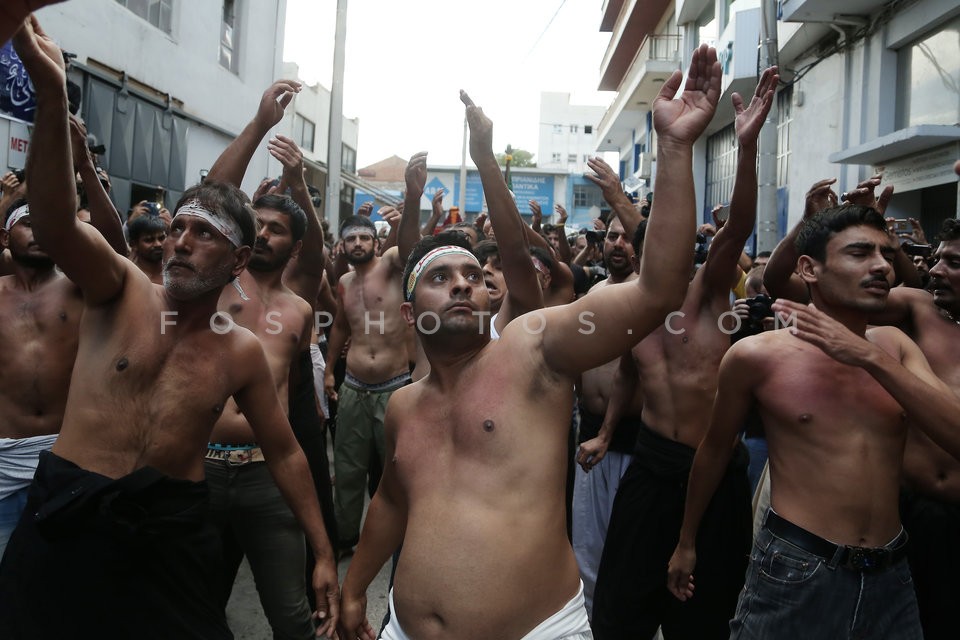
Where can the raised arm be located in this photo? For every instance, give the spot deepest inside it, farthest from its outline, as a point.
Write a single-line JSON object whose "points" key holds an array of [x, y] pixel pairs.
{"points": [[623, 314], [408, 233], [727, 246], [232, 164], [524, 292], [304, 274], [566, 255], [436, 214], [779, 276], [257, 399], [78, 249], [12, 15], [738, 374], [609, 182], [103, 215]]}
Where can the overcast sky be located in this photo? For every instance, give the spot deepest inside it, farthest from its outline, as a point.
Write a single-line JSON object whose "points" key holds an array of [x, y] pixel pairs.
{"points": [[407, 60]]}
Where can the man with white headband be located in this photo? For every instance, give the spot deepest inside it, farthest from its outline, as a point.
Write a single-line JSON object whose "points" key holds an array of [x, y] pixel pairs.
{"points": [[273, 301], [378, 362], [120, 499], [476, 450]]}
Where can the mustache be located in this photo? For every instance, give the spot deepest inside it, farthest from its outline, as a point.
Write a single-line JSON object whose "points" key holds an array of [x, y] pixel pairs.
{"points": [[177, 262], [876, 279]]}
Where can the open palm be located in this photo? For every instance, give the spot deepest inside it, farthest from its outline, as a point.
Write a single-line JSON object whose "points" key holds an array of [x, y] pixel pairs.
{"points": [[750, 119], [683, 120]]}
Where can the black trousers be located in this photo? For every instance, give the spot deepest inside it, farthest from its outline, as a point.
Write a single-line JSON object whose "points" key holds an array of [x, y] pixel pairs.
{"points": [[631, 598], [94, 557]]}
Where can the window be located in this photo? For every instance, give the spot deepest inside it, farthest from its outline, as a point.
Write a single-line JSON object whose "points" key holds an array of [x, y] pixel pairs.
{"points": [[558, 128], [784, 119], [574, 128], [228, 37], [928, 83], [303, 132], [348, 159], [571, 157], [554, 157], [159, 13], [721, 166], [588, 129], [586, 196]]}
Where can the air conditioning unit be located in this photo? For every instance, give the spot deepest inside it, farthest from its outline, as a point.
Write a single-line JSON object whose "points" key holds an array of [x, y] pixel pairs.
{"points": [[644, 165]]}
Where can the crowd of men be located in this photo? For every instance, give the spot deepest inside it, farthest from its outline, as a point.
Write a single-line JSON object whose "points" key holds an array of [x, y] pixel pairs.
{"points": [[561, 436]]}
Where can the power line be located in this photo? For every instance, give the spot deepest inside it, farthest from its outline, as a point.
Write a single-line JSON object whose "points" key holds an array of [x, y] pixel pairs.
{"points": [[562, 2]]}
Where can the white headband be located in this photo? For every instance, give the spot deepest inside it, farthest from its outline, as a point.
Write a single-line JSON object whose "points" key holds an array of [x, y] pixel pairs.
{"points": [[349, 231], [439, 252], [17, 215], [224, 224]]}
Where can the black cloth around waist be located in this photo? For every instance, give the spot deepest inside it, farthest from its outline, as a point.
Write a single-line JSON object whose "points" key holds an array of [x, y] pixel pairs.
{"points": [[623, 438], [671, 459]]}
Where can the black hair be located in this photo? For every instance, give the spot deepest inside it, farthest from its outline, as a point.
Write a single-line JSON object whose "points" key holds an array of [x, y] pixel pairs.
{"points": [[543, 256], [285, 205], [144, 225], [639, 234], [425, 246], [486, 250], [763, 254], [19, 202], [949, 231], [358, 221], [223, 198], [817, 230]]}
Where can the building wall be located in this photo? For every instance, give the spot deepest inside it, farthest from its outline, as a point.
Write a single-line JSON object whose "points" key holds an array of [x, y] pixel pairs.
{"points": [[557, 117], [184, 64]]}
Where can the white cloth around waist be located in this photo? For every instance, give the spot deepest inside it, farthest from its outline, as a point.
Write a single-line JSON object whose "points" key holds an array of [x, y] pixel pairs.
{"points": [[19, 458], [569, 623]]}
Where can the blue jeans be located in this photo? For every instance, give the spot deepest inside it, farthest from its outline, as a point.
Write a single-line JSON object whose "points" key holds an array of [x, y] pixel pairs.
{"points": [[10, 509], [792, 594]]}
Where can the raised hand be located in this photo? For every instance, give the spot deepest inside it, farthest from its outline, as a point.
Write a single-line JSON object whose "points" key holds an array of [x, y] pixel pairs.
{"points": [[274, 100], [391, 215], [365, 209], [820, 196], [562, 213], [437, 201], [750, 119], [605, 177], [536, 212], [288, 153], [416, 174], [481, 130], [682, 121], [9, 182], [78, 142], [41, 56]]}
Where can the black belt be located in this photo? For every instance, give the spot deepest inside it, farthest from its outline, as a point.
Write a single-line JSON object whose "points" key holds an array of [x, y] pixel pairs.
{"points": [[866, 559]]}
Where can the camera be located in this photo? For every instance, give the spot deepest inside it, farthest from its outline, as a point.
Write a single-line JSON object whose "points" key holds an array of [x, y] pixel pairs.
{"points": [[152, 208], [759, 308], [595, 237], [19, 174], [923, 250]]}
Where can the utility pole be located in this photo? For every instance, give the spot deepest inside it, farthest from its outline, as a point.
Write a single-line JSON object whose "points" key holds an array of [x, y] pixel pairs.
{"points": [[463, 173], [335, 138], [768, 234]]}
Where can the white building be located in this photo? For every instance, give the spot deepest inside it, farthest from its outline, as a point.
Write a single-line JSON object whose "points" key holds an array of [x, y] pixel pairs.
{"points": [[867, 85], [567, 132], [168, 84]]}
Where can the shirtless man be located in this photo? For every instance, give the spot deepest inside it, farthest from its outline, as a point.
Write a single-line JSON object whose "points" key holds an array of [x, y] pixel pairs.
{"points": [[245, 502], [147, 234], [475, 488], [378, 362], [835, 399], [120, 499], [930, 497], [677, 365], [39, 324], [605, 439]]}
